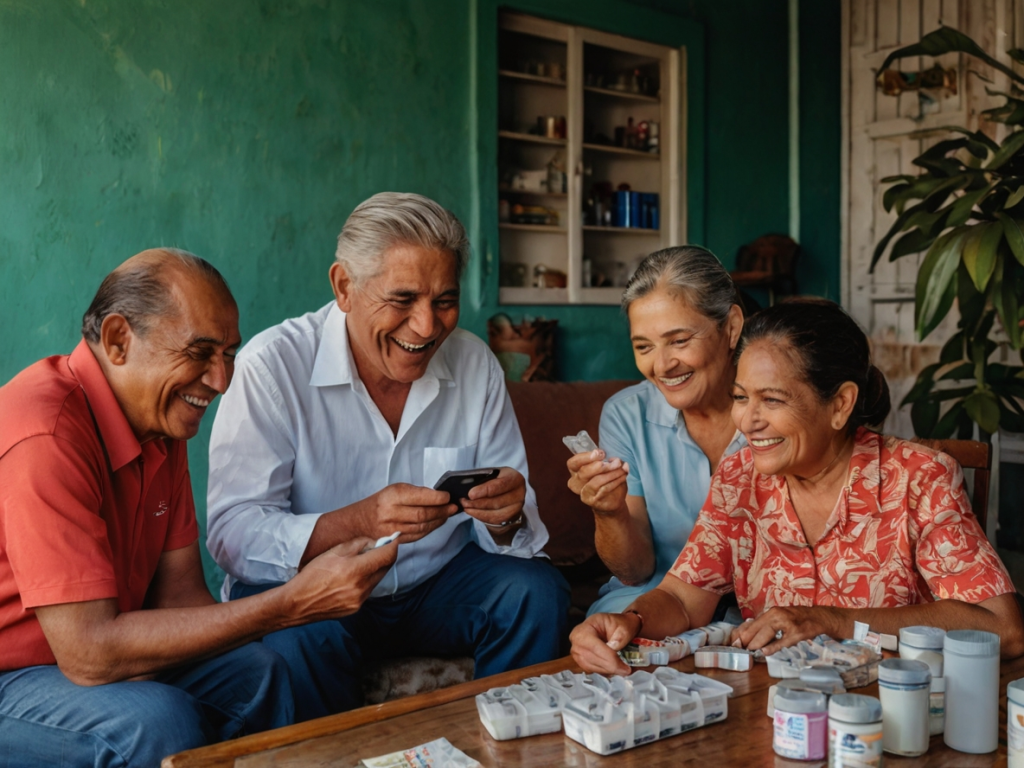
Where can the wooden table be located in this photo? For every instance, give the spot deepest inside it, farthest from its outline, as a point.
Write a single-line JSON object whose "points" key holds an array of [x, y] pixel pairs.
{"points": [[744, 739]]}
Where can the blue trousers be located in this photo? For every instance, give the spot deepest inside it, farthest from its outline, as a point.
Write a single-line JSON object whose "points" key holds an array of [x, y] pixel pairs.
{"points": [[505, 612], [46, 720]]}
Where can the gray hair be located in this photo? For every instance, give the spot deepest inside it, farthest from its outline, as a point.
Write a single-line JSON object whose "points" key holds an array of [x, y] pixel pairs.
{"points": [[139, 292], [397, 218], [694, 271]]}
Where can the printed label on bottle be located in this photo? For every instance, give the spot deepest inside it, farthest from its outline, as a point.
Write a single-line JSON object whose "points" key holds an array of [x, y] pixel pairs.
{"points": [[851, 750], [937, 704], [791, 735], [1015, 731]]}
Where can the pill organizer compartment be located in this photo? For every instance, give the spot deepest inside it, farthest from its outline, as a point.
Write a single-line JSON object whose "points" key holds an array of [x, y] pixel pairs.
{"points": [[516, 711]]}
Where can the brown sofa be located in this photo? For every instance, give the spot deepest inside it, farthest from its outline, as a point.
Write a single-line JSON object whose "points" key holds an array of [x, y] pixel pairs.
{"points": [[546, 411]]}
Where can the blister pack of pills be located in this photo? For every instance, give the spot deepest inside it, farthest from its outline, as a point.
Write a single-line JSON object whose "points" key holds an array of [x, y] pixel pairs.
{"points": [[642, 652], [856, 662], [605, 714]]}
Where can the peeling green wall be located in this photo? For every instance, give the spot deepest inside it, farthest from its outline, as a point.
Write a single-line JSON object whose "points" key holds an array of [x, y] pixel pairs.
{"points": [[247, 130]]}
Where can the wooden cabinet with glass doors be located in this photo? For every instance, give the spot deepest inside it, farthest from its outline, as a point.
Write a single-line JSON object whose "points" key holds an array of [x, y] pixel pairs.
{"points": [[589, 160]]}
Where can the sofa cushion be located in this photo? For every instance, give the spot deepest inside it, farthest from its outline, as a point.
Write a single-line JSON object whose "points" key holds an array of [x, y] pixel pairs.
{"points": [[547, 411]]}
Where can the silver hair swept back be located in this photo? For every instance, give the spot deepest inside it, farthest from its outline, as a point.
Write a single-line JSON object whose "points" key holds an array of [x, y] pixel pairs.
{"points": [[694, 271], [397, 218]]}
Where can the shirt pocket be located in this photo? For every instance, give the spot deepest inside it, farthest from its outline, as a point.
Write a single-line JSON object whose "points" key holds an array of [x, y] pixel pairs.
{"points": [[437, 461]]}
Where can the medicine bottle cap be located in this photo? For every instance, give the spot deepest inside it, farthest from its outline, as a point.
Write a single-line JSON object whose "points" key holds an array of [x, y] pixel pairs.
{"points": [[1015, 692], [923, 637], [971, 642], [904, 671], [799, 702], [855, 708]]}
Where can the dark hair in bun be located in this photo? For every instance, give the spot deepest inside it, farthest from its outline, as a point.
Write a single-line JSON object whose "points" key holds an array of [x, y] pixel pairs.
{"points": [[830, 349]]}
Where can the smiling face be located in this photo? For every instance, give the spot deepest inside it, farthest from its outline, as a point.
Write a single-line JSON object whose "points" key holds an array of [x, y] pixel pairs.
{"points": [[398, 319], [684, 353], [789, 429], [166, 379]]}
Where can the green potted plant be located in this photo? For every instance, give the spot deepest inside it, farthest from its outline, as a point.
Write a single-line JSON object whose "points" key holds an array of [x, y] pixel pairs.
{"points": [[966, 209]]}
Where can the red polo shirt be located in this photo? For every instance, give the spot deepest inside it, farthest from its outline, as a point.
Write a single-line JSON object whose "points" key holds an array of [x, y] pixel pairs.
{"points": [[85, 510]]}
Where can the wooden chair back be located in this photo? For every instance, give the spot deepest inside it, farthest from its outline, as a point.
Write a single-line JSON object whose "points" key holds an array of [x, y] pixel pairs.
{"points": [[970, 454]]}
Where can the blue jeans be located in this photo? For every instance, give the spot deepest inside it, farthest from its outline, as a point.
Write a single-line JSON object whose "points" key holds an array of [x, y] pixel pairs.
{"points": [[505, 612], [46, 720]]}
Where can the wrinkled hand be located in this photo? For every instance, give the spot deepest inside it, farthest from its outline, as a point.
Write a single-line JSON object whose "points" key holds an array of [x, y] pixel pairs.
{"points": [[796, 623], [411, 510], [596, 642], [337, 583], [497, 500], [600, 485]]}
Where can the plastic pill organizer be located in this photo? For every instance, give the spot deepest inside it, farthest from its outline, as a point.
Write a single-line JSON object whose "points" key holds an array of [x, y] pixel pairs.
{"points": [[857, 663], [605, 714]]}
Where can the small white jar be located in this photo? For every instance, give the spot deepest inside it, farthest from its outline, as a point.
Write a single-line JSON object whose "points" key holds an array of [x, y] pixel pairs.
{"points": [[972, 690], [854, 731], [916, 640], [1015, 724], [903, 687], [922, 643]]}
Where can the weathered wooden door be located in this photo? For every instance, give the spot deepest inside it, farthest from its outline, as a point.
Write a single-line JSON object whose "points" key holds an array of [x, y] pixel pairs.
{"points": [[883, 135]]}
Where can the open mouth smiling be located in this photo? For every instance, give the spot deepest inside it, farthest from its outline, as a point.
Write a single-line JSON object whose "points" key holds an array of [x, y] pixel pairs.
{"points": [[196, 402], [677, 380], [766, 442], [414, 348]]}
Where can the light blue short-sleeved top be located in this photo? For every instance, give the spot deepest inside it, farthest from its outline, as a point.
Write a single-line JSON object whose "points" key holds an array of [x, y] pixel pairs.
{"points": [[666, 467]]}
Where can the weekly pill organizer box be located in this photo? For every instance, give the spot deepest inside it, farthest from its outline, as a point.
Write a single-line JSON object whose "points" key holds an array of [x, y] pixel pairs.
{"points": [[605, 714]]}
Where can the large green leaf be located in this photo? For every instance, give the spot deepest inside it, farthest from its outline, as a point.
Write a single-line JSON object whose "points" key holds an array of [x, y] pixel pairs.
{"points": [[979, 252], [958, 373], [914, 241], [1015, 197], [936, 284], [953, 349], [1014, 236], [946, 40], [1010, 147], [983, 408], [924, 414], [961, 210], [945, 426], [970, 302], [1004, 297], [923, 385]]}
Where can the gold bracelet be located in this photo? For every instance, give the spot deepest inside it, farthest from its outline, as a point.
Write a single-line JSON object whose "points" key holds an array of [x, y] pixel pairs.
{"points": [[507, 524]]}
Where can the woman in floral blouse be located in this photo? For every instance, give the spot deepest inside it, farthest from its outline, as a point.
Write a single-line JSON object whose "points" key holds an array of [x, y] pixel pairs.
{"points": [[820, 522]]}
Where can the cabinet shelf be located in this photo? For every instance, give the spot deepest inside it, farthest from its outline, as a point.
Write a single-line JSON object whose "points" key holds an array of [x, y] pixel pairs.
{"points": [[553, 229], [622, 94], [623, 230], [531, 138], [507, 295], [573, 247], [623, 151], [510, 74]]}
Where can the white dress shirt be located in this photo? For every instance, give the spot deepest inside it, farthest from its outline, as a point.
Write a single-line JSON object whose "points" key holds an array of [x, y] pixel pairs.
{"points": [[297, 435]]}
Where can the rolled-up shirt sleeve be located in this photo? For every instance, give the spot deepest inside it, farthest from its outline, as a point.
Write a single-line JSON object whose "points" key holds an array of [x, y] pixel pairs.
{"points": [[252, 533], [501, 445]]}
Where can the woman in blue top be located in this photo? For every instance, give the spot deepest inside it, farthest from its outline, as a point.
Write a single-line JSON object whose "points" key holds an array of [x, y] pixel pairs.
{"points": [[661, 439]]}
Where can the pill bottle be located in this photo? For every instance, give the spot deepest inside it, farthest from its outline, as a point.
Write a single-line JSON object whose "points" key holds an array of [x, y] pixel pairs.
{"points": [[1015, 724], [903, 687], [854, 731], [971, 667], [916, 640], [801, 725]]}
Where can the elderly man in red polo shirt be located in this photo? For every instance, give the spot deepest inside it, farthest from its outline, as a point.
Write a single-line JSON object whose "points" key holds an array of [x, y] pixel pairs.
{"points": [[112, 651]]}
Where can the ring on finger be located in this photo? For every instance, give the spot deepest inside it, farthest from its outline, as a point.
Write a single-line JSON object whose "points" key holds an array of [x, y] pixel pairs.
{"points": [[779, 634]]}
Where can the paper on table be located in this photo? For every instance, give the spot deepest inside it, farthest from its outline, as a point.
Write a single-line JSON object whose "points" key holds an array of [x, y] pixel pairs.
{"points": [[439, 753]]}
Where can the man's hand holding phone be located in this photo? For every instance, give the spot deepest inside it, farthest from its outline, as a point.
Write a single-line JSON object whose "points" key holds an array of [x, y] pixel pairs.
{"points": [[499, 501]]}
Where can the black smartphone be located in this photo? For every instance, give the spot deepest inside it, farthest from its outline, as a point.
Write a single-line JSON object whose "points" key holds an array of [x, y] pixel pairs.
{"points": [[457, 482]]}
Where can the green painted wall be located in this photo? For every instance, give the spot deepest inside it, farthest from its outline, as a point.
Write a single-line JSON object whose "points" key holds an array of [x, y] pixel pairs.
{"points": [[247, 130]]}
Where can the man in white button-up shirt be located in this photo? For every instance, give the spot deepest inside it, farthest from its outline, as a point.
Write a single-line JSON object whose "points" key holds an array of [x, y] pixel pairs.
{"points": [[339, 424]]}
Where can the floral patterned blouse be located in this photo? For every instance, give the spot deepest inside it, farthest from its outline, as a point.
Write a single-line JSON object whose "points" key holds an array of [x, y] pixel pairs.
{"points": [[902, 532]]}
